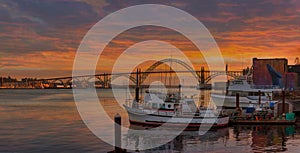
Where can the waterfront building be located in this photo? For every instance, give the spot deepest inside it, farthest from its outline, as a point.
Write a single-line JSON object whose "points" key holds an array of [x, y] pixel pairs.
{"points": [[295, 70], [270, 72]]}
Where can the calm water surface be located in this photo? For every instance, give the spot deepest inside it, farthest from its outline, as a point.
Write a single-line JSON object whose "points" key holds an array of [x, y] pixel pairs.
{"points": [[48, 121]]}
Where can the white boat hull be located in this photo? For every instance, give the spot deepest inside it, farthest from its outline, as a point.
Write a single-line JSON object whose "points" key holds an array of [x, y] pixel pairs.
{"points": [[137, 116], [230, 101]]}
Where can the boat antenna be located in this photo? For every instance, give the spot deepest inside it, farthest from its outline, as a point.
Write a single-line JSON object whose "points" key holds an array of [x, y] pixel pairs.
{"points": [[126, 102]]}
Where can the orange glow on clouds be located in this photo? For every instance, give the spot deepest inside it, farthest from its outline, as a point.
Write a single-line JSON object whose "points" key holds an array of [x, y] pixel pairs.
{"points": [[33, 45]]}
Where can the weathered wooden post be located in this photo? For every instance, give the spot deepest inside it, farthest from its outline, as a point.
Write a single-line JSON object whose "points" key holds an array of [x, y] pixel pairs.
{"points": [[118, 120], [137, 87], [259, 97], [237, 104], [202, 78], [237, 100], [283, 101]]}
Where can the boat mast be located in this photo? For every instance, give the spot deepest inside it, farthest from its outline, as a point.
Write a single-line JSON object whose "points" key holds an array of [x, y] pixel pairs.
{"points": [[137, 96], [179, 91], [126, 99]]}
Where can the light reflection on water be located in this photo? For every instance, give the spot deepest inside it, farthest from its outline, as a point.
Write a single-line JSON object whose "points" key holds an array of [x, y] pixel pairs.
{"points": [[48, 121]]}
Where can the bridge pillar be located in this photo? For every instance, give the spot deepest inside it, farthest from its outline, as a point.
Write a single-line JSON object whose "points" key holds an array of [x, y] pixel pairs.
{"points": [[84, 84], [105, 80], [202, 79], [34, 84], [226, 69], [52, 84], [65, 84]]}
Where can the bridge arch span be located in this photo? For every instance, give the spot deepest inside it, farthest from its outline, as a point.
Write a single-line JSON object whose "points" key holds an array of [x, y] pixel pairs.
{"points": [[158, 63], [234, 75], [131, 78]]}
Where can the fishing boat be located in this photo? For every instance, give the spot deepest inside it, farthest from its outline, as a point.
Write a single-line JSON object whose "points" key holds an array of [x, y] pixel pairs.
{"points": [[250, 95], [173, 110]]}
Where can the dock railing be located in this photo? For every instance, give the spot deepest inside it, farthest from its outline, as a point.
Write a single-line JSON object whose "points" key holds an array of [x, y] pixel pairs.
{"points": [[265, 87]]}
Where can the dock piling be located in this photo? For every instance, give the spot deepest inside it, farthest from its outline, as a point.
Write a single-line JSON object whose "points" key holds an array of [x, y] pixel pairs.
{"points": [[237, 100], [283, 101], [259, 97], [237, 104], [137, 88], [118, 133]]}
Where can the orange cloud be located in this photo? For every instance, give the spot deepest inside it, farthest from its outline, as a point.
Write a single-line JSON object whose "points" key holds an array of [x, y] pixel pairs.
{"points": [[243, 30]]}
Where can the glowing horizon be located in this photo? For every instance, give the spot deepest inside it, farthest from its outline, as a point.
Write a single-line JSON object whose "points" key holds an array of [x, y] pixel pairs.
{"points": [[42, 43]]}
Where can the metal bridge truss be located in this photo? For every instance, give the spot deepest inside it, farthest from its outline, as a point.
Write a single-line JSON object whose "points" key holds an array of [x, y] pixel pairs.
{"points": [[104, 80]]}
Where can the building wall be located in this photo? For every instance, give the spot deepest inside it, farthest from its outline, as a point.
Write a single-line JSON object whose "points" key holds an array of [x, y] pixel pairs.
{"points": [[295, 69], [298, 80], [290, 80], [261, 74]]}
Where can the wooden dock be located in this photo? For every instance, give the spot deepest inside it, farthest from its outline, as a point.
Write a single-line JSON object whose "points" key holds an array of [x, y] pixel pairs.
{"points": [[260, 122]]}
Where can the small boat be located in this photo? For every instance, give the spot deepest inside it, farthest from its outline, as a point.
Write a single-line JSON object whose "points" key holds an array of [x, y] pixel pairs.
{"points": [[250, 95], [173, 111]]}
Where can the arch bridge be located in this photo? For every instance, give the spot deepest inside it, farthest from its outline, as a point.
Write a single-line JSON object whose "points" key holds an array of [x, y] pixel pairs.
{"points": [[105, 80]]}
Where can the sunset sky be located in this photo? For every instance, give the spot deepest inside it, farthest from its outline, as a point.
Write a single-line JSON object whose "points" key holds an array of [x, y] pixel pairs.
{"points": [[39, 38]]}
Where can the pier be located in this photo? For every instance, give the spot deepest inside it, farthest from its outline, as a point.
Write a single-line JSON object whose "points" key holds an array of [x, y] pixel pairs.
{"points": [[279, 116]]}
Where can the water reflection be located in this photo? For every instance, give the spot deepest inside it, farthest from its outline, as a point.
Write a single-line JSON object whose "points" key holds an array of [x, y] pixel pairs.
{"points": [[48, 121], [247, 138], [265, 138], [187, 141]]}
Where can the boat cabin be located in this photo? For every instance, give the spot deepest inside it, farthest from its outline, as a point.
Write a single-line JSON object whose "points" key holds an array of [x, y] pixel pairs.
{"points": [[251, 91], [171, 103]]}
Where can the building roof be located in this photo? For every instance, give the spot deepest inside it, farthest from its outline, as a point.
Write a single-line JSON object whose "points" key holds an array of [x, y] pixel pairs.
{"points": [[269, 59]]}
